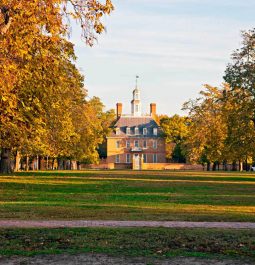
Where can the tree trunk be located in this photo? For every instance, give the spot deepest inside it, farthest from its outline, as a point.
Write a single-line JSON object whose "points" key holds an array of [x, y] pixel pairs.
{"points": [[65, 164], [27, 163], [53, 162], [74, 165], [208, 166], [225, 166], [17, 161], [47, 162], [37, 162], [40, 163], [60, 163], [240, 166], [5, 163], [234, 166], [78, 165]]}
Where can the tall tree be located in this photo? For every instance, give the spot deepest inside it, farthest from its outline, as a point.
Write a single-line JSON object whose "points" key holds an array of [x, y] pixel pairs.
{"points": [[240, 74], [32, 49], [207, 132]]}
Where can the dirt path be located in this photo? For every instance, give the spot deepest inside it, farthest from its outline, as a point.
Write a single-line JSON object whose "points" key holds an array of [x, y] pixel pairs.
{"points": [[84, 223], [98, 259]]}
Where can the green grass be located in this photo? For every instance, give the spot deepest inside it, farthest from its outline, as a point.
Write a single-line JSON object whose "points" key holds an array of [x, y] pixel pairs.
{"points": [[128, 195], [129, 241]]}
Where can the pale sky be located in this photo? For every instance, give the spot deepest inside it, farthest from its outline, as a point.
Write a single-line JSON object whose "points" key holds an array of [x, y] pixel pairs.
{"points": [[175, 46]]}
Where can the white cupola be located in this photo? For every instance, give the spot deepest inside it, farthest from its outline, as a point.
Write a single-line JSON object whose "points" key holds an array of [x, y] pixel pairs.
{"points": [[136, 106]]}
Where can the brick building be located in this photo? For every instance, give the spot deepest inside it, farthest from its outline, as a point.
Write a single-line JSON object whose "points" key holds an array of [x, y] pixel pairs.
{"points": [[137, 139]]}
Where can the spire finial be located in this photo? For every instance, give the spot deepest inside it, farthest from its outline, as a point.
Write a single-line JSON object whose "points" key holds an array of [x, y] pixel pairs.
{"points": [[136, 82]]}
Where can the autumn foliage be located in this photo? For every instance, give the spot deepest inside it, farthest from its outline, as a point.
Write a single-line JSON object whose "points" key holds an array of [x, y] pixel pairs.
{"points": [[42, 95]]}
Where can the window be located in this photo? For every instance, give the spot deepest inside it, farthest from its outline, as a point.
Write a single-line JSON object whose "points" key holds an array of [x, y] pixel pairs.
{"points": [[117, 131], [136, 143], [128, 131], [136, 130], [117, 144], [144, 144], [128, 144], [155, 158], [155, 144], [144, 158], [136, 96], [117, 158], [128, 158], [145, 131], [155, 131]]}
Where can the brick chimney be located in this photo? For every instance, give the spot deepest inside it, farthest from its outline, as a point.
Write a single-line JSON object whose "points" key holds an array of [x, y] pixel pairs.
{"points": [[153, 108], [119, 109]]}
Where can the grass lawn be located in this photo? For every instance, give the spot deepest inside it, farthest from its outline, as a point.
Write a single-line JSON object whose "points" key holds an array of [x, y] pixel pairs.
{"points": [[128, 195], [158, 242]]}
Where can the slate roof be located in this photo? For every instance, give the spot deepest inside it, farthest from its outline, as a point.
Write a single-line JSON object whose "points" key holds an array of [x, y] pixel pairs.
{"points": [[131, 122]]}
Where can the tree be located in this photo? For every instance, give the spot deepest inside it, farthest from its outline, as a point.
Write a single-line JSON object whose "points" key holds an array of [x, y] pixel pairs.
{"points": [[175, 129], [33, 50], [207, 131], [240, 74], [238, 113]]}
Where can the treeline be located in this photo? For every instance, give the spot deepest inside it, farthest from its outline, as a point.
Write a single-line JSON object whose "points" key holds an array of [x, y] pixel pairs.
{"points": [[219, 131], [43, 104]]}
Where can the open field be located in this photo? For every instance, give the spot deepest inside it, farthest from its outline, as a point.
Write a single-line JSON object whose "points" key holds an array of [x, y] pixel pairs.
{"points": [[128, 195]]}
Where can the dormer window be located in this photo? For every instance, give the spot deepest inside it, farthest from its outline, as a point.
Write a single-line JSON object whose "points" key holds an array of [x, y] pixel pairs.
{"points": [[117, 131], [155, 131], [128, 131], [136, 130], [145, 131]]}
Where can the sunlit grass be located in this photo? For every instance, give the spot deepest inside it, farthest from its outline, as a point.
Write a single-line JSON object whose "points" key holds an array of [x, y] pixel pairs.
{"points": [[129, 195]]}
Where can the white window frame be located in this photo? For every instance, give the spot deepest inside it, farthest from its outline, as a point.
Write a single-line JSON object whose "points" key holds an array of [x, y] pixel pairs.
{"points": [[136, 141], [128, 158], [155, 131], [127, 144], [128, 131], [155, 158], [136, 131], [117, 159], [145, 131]]}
